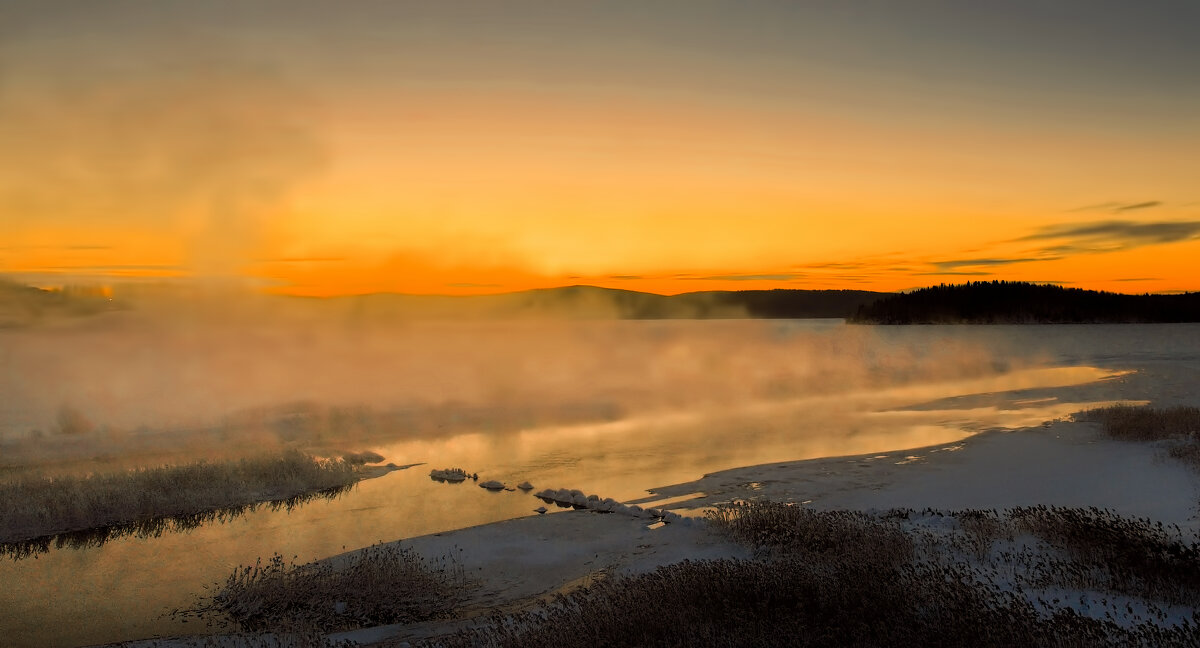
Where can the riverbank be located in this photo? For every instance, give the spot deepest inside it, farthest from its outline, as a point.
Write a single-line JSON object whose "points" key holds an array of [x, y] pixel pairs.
{"points": [[515, 566]]}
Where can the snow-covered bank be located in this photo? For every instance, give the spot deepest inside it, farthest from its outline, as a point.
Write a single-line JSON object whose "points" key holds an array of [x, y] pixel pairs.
{"points": [[1058, 464], [513, 564]]}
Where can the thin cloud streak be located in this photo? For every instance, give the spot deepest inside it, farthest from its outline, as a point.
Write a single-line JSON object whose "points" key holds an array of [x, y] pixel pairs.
{"points": [[1142, 205], [750, 277], [970, 263], [1115, 207], [1102, 236]]}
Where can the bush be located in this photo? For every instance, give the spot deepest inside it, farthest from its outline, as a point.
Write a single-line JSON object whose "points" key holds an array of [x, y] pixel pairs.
{"points": [[380, 585]]}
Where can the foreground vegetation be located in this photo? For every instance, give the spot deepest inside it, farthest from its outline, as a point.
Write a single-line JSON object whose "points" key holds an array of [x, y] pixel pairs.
{"points": [[1030, 576], [1026, 577], [37, 507], [1178, 427], [379, 585]]}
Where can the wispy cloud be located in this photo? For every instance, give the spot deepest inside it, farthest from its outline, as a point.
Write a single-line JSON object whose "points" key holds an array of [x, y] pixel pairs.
{"points": [[1134, 206], [1109, 236], [1118, 207], [839, 266], [748, 277], [304, 260], [72, 248], [116, 267], [948, 267]]}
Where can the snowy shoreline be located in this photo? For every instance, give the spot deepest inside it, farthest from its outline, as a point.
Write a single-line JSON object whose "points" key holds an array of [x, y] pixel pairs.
{"points": [[1063, 464], [515, 565]]}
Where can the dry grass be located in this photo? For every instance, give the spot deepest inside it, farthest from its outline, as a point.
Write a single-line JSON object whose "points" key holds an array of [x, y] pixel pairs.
{"points": [[380, 585], [1130, 556], [795, 602], [1143, 423], [837, 578], [786, 528], [296, 639], [36, 507], [1178, 426], [154, 527]]}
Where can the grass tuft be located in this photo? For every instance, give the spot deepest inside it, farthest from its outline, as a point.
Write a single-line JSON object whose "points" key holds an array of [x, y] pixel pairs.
{"points": [[380, 585], [798, 529], [1144, 423], [1180, 426]]}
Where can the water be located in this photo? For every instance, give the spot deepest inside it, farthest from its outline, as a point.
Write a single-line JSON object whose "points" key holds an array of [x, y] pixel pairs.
{"points": [[663, 403]]}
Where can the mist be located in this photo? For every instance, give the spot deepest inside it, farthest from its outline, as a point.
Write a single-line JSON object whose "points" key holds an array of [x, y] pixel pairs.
{"points": [[215, 372], [127, 163]]}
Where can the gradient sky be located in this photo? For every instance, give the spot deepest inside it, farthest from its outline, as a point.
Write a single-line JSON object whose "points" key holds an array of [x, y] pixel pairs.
{"points": [[462, 147]]}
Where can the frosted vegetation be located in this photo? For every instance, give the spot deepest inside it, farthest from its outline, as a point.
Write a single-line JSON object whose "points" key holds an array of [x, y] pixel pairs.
{"points": [[1023, 577], [378, 586], [38, 506], [1177, 427]]}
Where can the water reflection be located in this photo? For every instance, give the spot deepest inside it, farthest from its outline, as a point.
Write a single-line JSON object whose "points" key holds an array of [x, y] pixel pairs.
{"points": [[155, 527], [622, 459]]}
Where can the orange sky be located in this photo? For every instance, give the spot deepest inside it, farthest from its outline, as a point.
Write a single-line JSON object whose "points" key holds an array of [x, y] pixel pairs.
{"points": [[465, 149]]}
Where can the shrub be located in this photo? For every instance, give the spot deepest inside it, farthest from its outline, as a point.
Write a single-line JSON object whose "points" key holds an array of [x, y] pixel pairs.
{"points": [[380, 585]]}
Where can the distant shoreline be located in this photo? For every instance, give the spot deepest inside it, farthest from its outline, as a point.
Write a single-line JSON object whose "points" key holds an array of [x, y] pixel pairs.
{"points": [[1002, 302], [995, 302]]}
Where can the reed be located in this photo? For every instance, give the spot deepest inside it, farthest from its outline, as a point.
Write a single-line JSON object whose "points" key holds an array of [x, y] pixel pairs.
{"points": [[379, 585], [35, 507], [1144, 423], [1178, 426], [1039, 576]]}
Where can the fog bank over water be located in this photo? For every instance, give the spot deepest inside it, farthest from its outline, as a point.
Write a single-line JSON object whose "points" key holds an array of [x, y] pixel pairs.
{"points": [[216, 372]]}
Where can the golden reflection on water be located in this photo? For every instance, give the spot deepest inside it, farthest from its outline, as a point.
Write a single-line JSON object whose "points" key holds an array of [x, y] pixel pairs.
{"points": [[622, 458]]}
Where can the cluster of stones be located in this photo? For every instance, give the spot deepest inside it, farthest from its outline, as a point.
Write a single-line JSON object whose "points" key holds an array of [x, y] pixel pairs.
{"points": [[454, 475], [578, 499]]}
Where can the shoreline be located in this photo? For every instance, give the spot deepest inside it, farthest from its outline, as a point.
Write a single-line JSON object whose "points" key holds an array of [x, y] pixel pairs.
{"points": [[1060, 463], [516, 563]]}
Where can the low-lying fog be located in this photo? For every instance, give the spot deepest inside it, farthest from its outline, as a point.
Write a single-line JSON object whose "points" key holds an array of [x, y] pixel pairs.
{"points": [[213, 374]]}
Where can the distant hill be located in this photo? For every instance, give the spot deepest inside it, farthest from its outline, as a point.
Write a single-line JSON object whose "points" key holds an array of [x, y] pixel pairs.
{"points": [[1004, 302], [24, 305], [591, 302]]}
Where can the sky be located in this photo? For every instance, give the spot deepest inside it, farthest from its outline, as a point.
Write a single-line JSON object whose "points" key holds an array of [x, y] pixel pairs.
{"points": [[327, 148]]}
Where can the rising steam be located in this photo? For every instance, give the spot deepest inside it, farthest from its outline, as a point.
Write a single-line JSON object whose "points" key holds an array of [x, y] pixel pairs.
{"points": [[196, 148]]}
